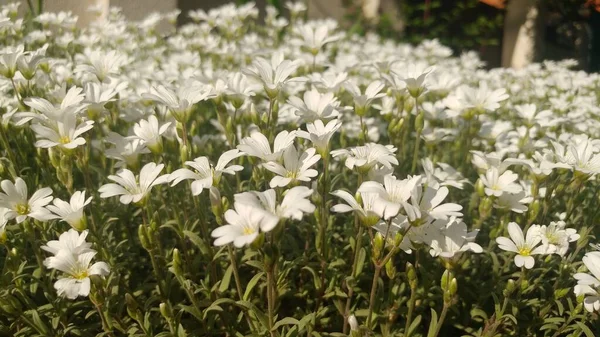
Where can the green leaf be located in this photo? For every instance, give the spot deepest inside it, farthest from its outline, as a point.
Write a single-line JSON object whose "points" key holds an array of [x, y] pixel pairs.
{"points": [[285, 321], [585, 329], [39, 325], [198, 242], [433, 323], [262, 318], [226, 279], [413, 326], [316, 278], [253, 282], [362, 255]]}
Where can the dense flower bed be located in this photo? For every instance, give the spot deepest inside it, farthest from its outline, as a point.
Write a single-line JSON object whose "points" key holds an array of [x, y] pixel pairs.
{"points": [[288, 179]]}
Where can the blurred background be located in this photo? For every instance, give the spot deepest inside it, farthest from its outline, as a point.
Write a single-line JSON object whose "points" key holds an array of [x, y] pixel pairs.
{"points": [[509, 33]]}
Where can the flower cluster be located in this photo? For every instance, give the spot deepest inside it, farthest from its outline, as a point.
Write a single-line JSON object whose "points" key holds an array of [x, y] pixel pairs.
{"points": [[288, 178]]}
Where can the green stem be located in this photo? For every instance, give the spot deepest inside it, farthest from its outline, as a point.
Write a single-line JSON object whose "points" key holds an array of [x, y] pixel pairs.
{"points": [[373, 293], [353, 274], [238, 285], [440, 321], [411, 309], [270, 300], [6, 146]]}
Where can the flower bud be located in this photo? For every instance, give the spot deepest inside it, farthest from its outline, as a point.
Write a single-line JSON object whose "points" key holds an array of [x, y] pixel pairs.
{"points": [[164, 311], [480, 188], [183, 153], [534, 211], [177, 263], [411, 274], [420, 122], [485, 206], [390, 268], [353, 323], [398, 239], [510, 288], [446, 279], [399, 126], [524, 284], [143, 236], [378, 244]]}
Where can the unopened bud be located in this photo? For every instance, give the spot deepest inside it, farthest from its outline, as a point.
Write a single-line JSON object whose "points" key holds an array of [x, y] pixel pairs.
{"points": [[510, 288], [353, 323], [164, 311], [420, 121], [398, 239], [183, 153], [485, 206], [177, 262], [411, 274], [390, 268], [132, 306], [142, 235], [378, 244], [534, 210], [524, 284], [480, 188]]}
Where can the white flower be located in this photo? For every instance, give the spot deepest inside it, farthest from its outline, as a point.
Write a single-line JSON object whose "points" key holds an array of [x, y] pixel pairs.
{"points": [[589, 285], [66, 133], [425, 204], [8, 61], [150, 132], [496, 184], [315, 106], [295, 167], [366, 212], [320, 134], [206, 175], [363, 101], [243, 225], [50, 114], [443, 175], [524, 247], [365, 157], [530, 114], [414, 78], [293, 205], [514, 202], [257, 145], [71, 212], [126, 150], [273, 74], [556, 238], [3, 221], [15, 200], [132, 188], [480, 98], [180, 103], [77, 268], [98, 94], [101, 63], [239, 89], [71, 241], [313, 38], [454, 239], [392, 193]]}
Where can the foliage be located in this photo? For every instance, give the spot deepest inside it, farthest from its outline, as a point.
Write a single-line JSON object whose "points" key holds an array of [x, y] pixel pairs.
{"points": [[289, 179]]}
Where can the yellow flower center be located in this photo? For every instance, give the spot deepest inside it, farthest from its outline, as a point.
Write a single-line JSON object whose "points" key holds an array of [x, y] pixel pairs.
{"points": [[525, 251], [64, 140], [80, 275], [22, 209], [249, 230]]}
